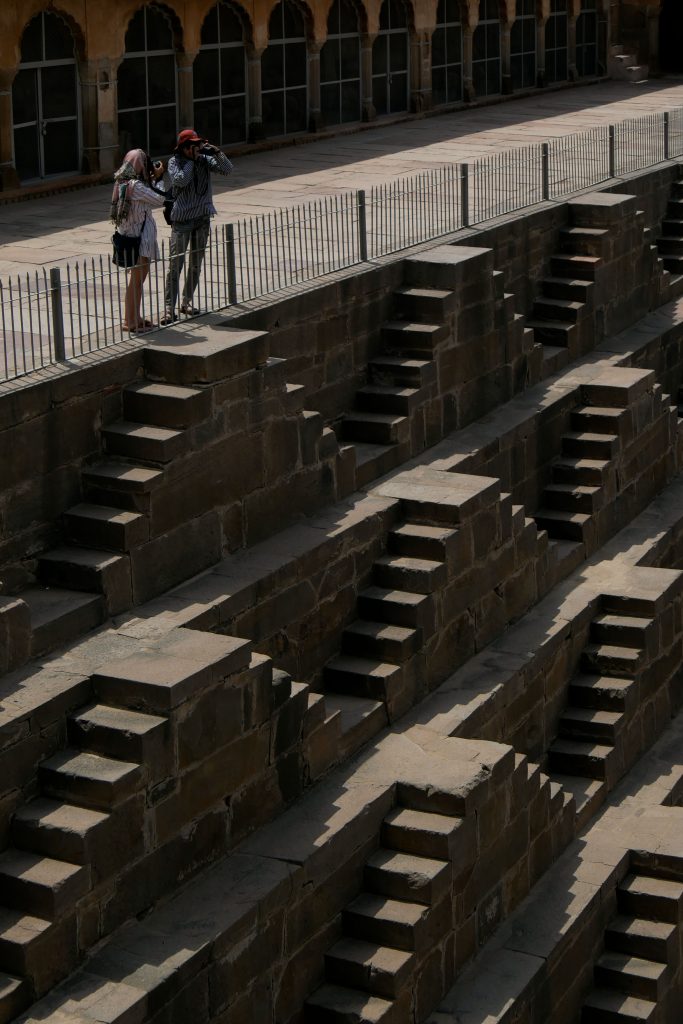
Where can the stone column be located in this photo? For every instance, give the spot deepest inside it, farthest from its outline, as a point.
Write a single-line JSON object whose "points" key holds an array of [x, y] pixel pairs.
{"points": [[8, 173], [185, 88], [541, 77], [255, 128], [368, 112], [468, 92], [653, 38], [87, 75], [107, 115], [420, 72], [315, 118], [572, 70], [505, 57]]}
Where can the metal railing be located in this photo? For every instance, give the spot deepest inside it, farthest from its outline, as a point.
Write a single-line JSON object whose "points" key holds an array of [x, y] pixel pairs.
{"points": [[52, 317]]}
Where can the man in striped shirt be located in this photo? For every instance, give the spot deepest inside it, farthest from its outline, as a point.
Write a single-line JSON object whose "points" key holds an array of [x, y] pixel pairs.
{"points": [[189, 173]]}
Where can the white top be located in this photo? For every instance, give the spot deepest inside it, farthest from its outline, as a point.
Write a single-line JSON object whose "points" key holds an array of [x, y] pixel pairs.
{"points": [[140, 220]]}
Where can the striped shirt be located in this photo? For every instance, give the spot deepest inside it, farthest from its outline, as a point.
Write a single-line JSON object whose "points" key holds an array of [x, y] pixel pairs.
{"points": [[191, 184]]}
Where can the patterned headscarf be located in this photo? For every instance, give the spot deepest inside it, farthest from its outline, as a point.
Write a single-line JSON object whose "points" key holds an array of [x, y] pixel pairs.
{"points": [[134, 168]]}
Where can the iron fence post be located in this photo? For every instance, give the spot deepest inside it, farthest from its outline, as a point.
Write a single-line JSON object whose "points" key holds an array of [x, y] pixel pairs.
{"points": [[666, 134], [545, 169], [362, 226], [612, 150], [465, 194], [229, 232], [59, 346]]}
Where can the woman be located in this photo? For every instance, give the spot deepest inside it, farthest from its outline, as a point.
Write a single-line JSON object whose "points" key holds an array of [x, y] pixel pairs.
{"points": [[133, 200]]}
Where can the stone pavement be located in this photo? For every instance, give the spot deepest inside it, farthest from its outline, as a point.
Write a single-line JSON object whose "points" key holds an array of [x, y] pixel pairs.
{"points": [[61, 229]]}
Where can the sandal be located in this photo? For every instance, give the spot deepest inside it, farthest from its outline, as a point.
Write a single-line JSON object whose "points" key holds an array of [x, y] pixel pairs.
{"points": [[168, 318], [189, 310]]}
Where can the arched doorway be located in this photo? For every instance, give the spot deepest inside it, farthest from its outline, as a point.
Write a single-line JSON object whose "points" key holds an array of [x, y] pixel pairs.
{"points": [[671, 37], [390, 55], [556, 36], [284, 72], [523, 45], [219, 76], [340, 92], [147, 86], [587, 39], [45, 101]]}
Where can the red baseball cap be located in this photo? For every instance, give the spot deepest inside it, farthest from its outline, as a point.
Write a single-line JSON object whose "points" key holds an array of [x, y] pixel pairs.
{"points": [[188, 135]]}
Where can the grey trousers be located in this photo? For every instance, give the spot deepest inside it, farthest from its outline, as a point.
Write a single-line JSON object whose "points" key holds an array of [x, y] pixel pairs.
{"points": [[194, 233]]}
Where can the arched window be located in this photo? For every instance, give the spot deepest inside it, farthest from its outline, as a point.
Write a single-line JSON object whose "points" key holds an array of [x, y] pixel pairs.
{"points": [[284, 72], [147, 88], [556, 66], [523, 46], [486, 64], [45, 102], [447, 53], [340, 93], [390, 52], [220, 78], [587, 40]]}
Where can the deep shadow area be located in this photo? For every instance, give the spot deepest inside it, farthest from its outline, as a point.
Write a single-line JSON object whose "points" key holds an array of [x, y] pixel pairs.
{"points": [[671, 36]]}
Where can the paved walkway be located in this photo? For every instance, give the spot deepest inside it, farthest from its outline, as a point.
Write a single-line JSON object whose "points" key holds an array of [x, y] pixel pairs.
{"points": [[60, 229]]}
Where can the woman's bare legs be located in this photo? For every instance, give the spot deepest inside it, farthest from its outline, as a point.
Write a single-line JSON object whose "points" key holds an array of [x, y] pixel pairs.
{"points": [[136, 279]]}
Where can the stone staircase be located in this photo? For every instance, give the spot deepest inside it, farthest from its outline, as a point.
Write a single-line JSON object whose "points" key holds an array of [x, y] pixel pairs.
{"points": [[400, 382], [624, 67], [563, 311], [642, 952], [596, 739], [670, 242], [392, 928]]}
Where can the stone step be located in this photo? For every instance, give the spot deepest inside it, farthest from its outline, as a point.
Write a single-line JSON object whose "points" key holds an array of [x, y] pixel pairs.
{"points": [[218, 354], [675, 205], [361, 720], [431, 305], [376, 428], [401, 371], [650, 940], [412, 337], [398, 607], [166, 405], [674, 265], [656, 899], [59, 829], [580, 757], [575, 266], [591, 724], [605, 1006], [645, 979], [595, 419], [374, 460], [401, 572], [571, 497], [362, 677], [610, 660], [380, 641], [122, 477], [90, 570], [144, 442], [414, 540], [552, 332], [587, 472], [552, 308], [386, 398], [24, 941], [118, 733], [99, 526], [621, 630], [406, 876], [566, 525], [89, 780], [668, 245], [585, 444], [59, 616], [14, 996], [394, 923], [367, 966], [583, 241], [336, 1004], [555, 358], [573, 289], [602, 692], [422, 833], [40, 885], [587, 794], [673, 226]]}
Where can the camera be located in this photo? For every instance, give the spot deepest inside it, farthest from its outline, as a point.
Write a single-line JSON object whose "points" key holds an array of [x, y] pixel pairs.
{"points": [[158, 166], [207, 149]]}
